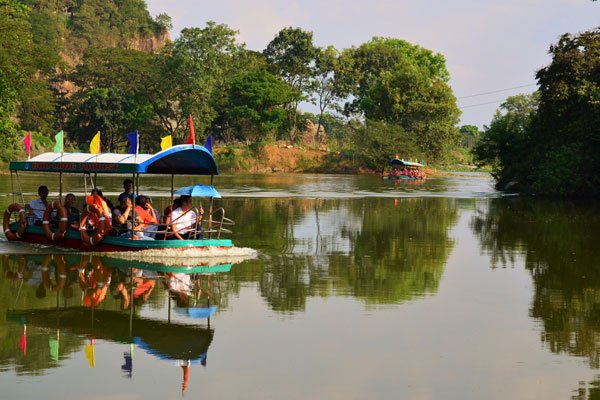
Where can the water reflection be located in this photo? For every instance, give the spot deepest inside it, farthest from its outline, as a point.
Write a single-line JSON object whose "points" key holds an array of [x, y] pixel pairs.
{"points": [[60, 305], [558, 241], [380, 250]]}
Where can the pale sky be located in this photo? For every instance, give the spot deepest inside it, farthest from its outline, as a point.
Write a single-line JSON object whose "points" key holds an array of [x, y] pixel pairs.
{"points": [[489, 45]]}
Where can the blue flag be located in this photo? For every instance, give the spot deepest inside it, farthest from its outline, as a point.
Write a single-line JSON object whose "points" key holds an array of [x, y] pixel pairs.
{"points": [[208, 144], [132, 138]]}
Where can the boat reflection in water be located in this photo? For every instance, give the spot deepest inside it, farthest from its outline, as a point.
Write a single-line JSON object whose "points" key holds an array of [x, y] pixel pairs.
{"points": [[71, 301]]}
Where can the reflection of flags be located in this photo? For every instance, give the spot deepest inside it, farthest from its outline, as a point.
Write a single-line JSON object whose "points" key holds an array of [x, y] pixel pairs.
{"points": [[89, 354], [166, 142], [133, 139], [23, 341], [192, 137], [54, 347], [208, 144], [59, 138], [27, 143], [95, 144]]}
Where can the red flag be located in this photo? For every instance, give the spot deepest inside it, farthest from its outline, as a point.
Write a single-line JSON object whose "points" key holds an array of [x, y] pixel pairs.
{"points": [[27, 143], [192, 137]]}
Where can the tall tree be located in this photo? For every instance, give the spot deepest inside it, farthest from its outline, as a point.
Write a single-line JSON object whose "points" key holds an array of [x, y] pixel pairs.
{"points": [[405, 84], [290, 55], [567, 131], [506, 143]]}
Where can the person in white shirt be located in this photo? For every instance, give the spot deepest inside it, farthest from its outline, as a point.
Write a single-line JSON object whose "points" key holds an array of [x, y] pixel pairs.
{"points": [[36, 208], [183, 219]]}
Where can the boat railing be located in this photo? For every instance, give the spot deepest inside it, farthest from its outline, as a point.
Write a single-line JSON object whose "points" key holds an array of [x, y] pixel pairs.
{"points": [[216, 221]]}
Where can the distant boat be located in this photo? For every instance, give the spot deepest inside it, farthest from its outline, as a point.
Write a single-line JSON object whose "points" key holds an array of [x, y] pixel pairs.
{"points": [[407, 170]]}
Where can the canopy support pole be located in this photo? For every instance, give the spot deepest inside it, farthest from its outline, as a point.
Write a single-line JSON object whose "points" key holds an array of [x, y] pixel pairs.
{"points": [[135, 191], [210, 209], [60, 186]]}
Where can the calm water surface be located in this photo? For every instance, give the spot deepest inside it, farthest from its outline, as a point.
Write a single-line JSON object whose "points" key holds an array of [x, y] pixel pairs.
{"points": [[362, 289]]}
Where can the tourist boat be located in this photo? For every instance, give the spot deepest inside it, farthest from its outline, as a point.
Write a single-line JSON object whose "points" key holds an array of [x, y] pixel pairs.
{"points": [[407, 170], [188, 160]]}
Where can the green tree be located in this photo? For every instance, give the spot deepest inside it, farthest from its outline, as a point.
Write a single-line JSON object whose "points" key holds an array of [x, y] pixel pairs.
{"points": [[395, 81], [566, 135], [470, 135], [192, 75], [290, 55], [256, 104], [327, 89], [506, 143]]}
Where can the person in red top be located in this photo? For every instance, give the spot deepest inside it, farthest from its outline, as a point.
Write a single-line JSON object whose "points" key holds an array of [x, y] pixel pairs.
{"points": [[146, 218]]}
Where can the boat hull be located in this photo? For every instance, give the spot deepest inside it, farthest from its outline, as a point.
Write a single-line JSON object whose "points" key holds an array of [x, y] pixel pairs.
{"points": [[72, 240]]}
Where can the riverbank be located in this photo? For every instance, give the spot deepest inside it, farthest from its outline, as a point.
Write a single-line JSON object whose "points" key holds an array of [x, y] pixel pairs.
{"points": [[276, 158]]}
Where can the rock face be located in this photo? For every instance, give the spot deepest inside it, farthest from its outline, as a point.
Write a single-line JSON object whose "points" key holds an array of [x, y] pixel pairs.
{"points": [[150, 44], [310, 136]]}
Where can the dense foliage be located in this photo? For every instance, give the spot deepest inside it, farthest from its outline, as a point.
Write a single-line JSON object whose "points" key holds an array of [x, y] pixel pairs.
{"points": [[88, 65], [550, 144]]}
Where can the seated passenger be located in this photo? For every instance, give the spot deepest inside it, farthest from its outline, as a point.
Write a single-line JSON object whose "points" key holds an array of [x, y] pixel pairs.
{"points": [[36, 208], [183, 219], [73, 213], [122, 217], [128, 189], [145, 215]]}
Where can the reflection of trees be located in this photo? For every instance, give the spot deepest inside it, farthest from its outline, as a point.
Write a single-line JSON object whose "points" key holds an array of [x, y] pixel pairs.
{"points": [[559, 240], [369, 248], [400, 252]]}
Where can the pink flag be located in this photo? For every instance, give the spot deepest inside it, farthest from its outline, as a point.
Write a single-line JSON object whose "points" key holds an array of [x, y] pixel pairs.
{"points": [[27, 143]]}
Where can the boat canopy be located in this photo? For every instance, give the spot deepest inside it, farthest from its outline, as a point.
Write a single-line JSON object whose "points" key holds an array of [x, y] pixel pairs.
{"points": [[185, 159], [400, 162]]}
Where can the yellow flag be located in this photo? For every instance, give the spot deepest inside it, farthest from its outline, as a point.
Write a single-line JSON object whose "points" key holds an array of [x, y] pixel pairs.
{"points": [[95, 144], [166, 142]]}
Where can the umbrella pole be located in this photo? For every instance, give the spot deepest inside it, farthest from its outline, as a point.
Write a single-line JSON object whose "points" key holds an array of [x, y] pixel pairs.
{"points": [[133, 210]]}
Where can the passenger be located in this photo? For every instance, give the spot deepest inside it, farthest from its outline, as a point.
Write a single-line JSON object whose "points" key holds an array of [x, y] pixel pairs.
{"points": [[36, 208], [128, 189], [183, 219], [145, 216], [122, 217], [99, 200], [73, 213]]}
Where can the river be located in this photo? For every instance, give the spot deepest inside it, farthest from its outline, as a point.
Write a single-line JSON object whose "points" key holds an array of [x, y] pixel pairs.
{"points": [[352, 287]]}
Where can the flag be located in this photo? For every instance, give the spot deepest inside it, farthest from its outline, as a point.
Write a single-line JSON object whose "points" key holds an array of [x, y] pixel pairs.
{"points": [[95, 144], [166, 142], [192, 137], [59, 138], [133, 139], [208, 144], [27, 143]]}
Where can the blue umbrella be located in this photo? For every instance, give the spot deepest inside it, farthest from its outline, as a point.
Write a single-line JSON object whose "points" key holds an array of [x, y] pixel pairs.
{"points": [[199, 191], [196, 312]]}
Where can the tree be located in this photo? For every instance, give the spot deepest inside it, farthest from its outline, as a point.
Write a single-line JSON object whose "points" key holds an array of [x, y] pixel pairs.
{"points": [[470, 136], [290, 56], [256, 101], [404, 84], [506, 143], [566, 134], [192, 75], [327, 88]]}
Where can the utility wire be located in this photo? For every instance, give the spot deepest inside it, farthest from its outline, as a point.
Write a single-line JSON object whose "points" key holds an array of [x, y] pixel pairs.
{"points": [[483, 104], [497, 91]]}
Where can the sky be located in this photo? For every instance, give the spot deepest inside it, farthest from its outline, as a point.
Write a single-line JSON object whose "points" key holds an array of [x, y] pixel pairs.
{"points": [[492, 48]]}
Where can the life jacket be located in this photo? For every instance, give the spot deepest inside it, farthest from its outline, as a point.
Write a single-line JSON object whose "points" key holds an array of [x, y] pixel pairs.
{"points": [[99, 201], [145, 216]]}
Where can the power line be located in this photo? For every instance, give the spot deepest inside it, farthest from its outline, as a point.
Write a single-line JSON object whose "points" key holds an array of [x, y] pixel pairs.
{"points": [[496, 91], [483, 104]]}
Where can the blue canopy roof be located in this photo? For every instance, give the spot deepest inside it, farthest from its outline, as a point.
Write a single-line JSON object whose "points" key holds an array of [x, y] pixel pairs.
{"points": [[185, 159]]}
